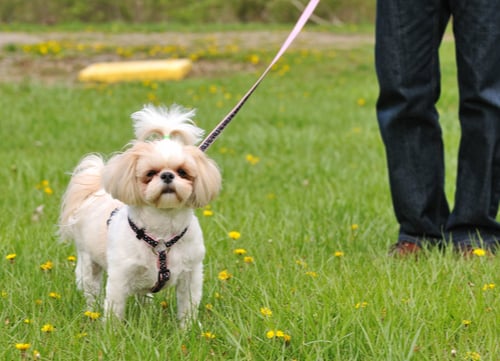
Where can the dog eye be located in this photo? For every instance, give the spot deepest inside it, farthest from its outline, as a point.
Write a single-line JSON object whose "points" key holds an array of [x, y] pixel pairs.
{"points": [[182, 173], [151, 173]]}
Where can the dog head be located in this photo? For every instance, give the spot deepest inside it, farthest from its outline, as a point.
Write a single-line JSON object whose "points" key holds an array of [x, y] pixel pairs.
{"points": [[162, 174]]}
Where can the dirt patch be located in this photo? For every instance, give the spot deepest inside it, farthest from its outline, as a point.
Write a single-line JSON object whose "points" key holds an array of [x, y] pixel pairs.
{"points": [[17, 66]]}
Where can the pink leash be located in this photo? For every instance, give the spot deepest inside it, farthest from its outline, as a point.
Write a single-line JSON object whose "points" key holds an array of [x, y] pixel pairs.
{"points": [[306, 14]]}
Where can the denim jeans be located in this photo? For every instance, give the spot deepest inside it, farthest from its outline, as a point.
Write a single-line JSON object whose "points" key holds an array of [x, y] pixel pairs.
{"points": [[408, 36]]}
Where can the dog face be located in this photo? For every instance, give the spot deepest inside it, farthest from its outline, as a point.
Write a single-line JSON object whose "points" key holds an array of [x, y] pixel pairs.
{"points": [[163, 174]]}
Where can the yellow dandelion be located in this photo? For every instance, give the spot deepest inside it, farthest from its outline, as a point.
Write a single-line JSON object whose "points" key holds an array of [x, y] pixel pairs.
{"points": [[301, 263], [36, 354], [22, 346], [48, 191], [48, 328], [71, 259], [234, 235], [354, 227], [11, 257], [339, 254], [266, 311], [164, 304], [27, 321], [240, 251], [360, 305], [466, 323], [479, 252], [248, 259], [473, 356], [270, 334], [208, 213], [47, 266], [287, 338], [271, 196], [54, 295], [208, 335], [92, 315], [312, 274], [224, 275], [361, 102], [209, 307], [488, 286], [254, 59], [253, 160]]}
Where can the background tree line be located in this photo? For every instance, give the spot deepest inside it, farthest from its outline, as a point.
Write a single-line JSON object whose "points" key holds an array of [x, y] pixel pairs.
{"points": [[180, 11]]}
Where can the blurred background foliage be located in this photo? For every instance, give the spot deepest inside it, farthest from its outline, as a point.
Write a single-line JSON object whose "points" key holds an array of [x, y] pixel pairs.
{"points": [[52, 12]]}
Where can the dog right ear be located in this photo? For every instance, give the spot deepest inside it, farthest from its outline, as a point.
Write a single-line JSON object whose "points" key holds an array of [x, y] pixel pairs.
{"points": [[119, 177]]}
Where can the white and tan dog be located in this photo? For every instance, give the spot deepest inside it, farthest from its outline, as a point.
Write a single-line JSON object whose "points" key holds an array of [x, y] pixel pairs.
{"points": [[133, 216]]}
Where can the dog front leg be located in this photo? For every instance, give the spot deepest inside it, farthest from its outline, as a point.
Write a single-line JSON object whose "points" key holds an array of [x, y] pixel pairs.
{"points": [[188, 291], [116, 298]]}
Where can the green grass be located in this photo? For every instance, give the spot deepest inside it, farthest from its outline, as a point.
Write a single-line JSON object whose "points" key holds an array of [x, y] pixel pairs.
{"points": [[320, 187]]}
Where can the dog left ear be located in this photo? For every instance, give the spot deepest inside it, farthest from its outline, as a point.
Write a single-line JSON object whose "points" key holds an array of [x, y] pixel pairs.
{"points": [[119, 176], [207, 184]]}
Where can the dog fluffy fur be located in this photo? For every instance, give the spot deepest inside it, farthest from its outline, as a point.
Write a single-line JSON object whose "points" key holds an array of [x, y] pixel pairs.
{"points": [[156, 182]]}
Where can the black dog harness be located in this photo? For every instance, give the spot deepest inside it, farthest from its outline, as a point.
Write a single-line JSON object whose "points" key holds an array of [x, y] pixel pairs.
{"points": [[160, 248]]}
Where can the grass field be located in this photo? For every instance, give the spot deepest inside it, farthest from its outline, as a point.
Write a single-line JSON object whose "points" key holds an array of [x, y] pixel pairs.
{"points": [[305, 189]]}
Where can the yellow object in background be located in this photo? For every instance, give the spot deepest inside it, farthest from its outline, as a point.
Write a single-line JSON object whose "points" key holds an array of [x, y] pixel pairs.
{"points": [[171, 69]]}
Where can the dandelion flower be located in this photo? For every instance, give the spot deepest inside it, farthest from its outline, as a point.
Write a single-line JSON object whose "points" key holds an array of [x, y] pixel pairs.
{"points": [[11, 257], [208, 335], [248, 259], [278, 334], [71, 259], [254, 59], [224, 275], [54, 295], [466, 323], [47, 266], [240, 251], [208, 213], [361, 102], [339, 254], [473, 356], [92, 315], [312, 274], [253, 160], [301, 263], [234, 235], [48, 328], [266, 311], [361, 305], [479, 252], [488, 286], [354, 227], [22, 346], [209, 307]]}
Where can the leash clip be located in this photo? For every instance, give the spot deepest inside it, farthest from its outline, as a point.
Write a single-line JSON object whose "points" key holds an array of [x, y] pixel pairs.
{"points": [[160, 247]]}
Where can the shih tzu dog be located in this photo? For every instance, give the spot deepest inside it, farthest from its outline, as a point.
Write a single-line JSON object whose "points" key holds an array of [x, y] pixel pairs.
{"points": [[132, 217]]}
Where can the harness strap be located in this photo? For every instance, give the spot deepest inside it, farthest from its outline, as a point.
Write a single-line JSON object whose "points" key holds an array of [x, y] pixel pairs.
{"points": [[160, 248]]}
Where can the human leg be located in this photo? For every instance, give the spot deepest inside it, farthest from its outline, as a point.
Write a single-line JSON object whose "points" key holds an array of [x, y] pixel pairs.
{"points": [[408, 35], [477, 32]]}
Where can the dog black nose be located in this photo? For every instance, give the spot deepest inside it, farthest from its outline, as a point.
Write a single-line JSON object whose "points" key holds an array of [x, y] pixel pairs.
{"points": [[167, 177]]}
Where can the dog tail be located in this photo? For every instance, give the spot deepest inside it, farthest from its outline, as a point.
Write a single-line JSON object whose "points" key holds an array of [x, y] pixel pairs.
{"points": [[161, 122], [85, 182]]}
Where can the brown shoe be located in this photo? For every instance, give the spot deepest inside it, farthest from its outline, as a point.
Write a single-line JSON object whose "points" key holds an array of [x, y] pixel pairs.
{"points": [[405, 248]]}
